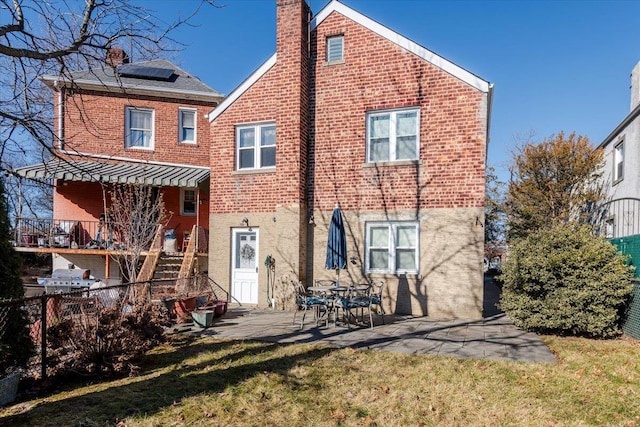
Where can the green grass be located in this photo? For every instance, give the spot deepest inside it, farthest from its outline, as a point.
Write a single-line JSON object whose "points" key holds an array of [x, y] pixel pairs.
{"points": [[209, 382]]}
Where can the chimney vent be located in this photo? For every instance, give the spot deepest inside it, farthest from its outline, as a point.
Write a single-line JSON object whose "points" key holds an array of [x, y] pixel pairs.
{"points": [[116, 56]]}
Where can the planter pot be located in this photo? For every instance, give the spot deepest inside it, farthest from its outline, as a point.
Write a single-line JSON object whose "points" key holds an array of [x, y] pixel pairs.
{"points": [[203, 318], [9, 388], [183, 309], [220, 308]]}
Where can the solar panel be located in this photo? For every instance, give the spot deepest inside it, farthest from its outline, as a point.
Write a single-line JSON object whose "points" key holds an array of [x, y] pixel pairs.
{"points": [[141, 72]]}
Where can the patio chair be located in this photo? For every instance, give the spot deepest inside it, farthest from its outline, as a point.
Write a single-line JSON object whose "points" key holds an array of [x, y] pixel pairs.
{"points": [[306, 302], [376, 300], [357, 299]]}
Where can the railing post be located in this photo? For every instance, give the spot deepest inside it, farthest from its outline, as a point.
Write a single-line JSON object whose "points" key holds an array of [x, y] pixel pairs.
{"points": [[43, 338]]}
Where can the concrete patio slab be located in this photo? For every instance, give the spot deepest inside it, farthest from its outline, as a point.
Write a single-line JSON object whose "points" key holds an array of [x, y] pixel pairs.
{"points": [[494, 338]]}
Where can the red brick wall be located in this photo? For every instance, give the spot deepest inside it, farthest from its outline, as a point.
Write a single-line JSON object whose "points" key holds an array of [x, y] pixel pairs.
{"points": [[95, 123], [281, 96], [376, 74]]}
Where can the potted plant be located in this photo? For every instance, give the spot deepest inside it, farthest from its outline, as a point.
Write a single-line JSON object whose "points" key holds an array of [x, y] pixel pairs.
{"points": [[16, 346], [188, 295]]}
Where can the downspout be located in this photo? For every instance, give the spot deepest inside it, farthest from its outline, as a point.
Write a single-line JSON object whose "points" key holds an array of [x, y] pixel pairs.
{"points": [[60, 133], [197, 218]]}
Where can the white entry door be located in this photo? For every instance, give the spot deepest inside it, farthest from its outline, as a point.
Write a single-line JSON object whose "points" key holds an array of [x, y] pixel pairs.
{"points": [[244, 266]]}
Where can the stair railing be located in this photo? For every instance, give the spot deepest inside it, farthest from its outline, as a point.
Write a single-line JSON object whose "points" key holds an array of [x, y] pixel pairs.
{"points": [[189, 256], [151, 260]]}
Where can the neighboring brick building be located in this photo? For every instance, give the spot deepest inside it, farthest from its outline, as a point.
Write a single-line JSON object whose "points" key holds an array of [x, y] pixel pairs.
{"points": [[125, 122], [349, 113]]}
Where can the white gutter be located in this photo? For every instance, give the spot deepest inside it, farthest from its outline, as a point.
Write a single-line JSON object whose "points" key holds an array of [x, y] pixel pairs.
{"points": [[60, 133], [244, 86], [130, 160], [139, 89]]}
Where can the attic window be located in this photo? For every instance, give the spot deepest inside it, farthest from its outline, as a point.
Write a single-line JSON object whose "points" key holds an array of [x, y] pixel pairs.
{"points": [[148, 73], [335, 48]]}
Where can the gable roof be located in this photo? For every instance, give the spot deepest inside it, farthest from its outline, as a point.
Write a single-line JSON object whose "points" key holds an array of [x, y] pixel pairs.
{"points": [[621, 127], [394, 37], [180, 84]]}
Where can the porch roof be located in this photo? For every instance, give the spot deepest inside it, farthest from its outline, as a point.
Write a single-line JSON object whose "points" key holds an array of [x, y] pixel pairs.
{"points": [[117, 172]]}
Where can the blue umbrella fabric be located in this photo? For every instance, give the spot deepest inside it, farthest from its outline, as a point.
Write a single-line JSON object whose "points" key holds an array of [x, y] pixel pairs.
{"points": [[337, 243]]}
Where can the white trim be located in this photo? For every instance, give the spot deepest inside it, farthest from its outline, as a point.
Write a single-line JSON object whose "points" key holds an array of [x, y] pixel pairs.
{"points": [[131, 160], [335, 6], [448, 66], [618, 161], [244, 86], [136, 89], [60, 133], [257, 145], [127, 128], [195, 125], [392, 247], [393, 134]]}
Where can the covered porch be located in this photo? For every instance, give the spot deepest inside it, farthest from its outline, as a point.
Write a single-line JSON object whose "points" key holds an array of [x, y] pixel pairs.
{"points": [[81, 230]]}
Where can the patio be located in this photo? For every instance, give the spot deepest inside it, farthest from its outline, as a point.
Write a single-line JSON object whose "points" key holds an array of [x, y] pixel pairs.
{"points": [[490, 338], [493, 337]]}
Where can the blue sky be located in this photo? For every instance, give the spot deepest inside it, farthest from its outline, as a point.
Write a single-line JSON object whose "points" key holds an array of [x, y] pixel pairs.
{"points": [[556, 65]]}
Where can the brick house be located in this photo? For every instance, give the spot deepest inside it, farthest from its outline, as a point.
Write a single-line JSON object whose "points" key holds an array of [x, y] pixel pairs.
{"points": [[122, 123], [348, 112]]}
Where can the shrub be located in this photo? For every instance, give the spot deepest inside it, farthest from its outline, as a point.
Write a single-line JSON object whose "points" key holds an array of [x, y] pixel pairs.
{"points": [[16, 347], [566, 281], [107, 342]]}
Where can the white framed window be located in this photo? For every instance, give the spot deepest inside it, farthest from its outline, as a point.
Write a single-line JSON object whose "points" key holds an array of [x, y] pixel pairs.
{"points": [[139, 125], [187, 125], [393, 135], [188, 201], [335, 48], [392, 247], [256, 146], [618, 161]]}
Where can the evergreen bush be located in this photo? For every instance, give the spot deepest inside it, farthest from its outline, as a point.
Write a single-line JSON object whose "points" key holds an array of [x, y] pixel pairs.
{"points": [[566, 281], [16, 347]]}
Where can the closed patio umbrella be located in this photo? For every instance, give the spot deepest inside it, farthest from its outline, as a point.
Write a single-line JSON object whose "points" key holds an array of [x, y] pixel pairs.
{"points": [[336, 244]]}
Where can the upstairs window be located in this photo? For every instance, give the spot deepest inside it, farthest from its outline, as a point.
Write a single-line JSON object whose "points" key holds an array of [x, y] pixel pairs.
{"points": [[139, 128], [188, 201], [618, 162], [256, 146], [392, 247], [335, 48], [187, 125], [393, 135]]}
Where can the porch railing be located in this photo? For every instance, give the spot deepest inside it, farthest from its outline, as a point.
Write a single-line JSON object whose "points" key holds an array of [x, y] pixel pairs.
{"points": [[62, 233], [76, 234]]}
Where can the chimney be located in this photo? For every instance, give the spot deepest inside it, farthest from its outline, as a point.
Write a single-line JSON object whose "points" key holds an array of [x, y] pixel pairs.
{"points": [[116, 56], [292, 31]]}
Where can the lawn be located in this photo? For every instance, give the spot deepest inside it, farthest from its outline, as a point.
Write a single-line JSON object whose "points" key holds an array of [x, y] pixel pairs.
{"points": [[211, 382]]}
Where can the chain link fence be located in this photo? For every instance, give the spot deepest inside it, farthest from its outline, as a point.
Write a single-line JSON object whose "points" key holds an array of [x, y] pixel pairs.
{"points": [[56, 320], [60, 322]]}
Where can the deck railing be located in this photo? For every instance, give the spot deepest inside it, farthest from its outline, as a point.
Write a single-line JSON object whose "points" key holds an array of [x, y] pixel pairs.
{"points": [[62, 233], [75, 234]]}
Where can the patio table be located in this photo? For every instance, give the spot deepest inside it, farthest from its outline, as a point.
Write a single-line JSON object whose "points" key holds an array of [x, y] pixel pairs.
{"points": [[338, 290]]}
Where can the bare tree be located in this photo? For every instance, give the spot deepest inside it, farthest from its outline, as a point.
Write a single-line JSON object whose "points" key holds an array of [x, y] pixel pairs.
{"points": [[131, 222], [40, 37]]}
